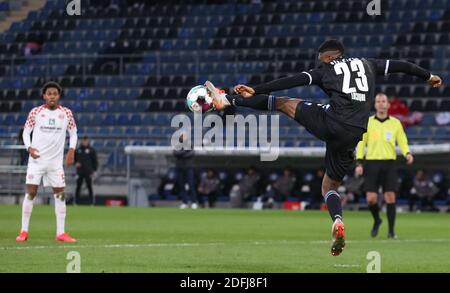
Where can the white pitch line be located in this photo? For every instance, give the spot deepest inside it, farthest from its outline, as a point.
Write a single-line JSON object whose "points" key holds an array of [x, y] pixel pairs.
{"points": [[121, 245], [346, 266], [192, 244]]}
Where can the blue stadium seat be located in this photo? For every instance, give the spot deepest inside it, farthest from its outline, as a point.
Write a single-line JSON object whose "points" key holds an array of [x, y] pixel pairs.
{"points": [[9, 120], [117, 131], [123, 119], [109, 120], [135, 120], [156, 132], [130, 131], [89, 130], [143, 131]]}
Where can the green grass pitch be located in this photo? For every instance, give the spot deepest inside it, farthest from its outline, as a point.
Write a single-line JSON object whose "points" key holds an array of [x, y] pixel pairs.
{"points": [[173, 240]]}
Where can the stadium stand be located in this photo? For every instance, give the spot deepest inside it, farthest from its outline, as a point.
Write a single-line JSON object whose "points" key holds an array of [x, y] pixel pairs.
{"points": [[126, 69]]}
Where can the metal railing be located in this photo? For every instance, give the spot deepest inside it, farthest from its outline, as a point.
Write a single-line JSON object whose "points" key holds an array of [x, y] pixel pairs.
{"points": [[13, 169]]}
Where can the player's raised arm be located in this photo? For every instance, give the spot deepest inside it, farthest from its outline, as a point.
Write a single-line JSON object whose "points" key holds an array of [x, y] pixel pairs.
{"points": [[305, 78], [384, 67]]}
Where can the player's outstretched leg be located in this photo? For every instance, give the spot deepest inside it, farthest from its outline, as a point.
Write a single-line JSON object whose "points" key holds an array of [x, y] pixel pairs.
{"points": [[218, 96], [222, 100], [333, 201], [261, 102], [372, 203]]}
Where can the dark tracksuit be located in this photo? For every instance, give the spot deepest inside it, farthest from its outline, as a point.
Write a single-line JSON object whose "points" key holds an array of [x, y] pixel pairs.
{"points": [[87, 158], [185, 175]]}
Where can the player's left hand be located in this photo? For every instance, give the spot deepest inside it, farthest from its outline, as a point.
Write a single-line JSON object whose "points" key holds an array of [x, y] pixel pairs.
{"points": [[70, 157], [409, 159], [435, 81]]}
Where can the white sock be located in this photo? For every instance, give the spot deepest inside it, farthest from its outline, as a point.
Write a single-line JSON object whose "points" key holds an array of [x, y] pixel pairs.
{"points": [[27, 208], [60, 212]]}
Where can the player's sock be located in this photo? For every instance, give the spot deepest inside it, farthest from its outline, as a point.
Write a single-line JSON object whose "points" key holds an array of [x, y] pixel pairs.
{"points": [[333, 201], [391, 211], [60, 212], [375, 210], [27, 208], [257, 102]]}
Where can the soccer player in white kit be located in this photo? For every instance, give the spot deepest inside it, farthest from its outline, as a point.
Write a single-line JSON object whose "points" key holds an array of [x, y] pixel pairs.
{"points": [[49, 124]]}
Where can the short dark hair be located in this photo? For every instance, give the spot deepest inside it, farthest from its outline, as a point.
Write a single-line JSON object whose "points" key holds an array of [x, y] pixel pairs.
{"points": [[51, 84], [331, 45]]}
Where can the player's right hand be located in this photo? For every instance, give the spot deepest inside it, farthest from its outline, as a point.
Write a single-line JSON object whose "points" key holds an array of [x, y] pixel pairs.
{"points": [[359, 170], [34, 153], [244, 90], [435, 81]]}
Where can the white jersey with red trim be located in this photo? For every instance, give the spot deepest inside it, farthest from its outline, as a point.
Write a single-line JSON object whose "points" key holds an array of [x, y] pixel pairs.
{"points": [[49, 129]]}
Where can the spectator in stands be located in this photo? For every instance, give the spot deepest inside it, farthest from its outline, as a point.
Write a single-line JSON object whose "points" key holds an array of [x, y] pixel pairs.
{"points": [[354, 187], [248, 186], [284, 185], [31, 48], [423, 191], [279, 189], [400, 110], [33, 45], [185, 174], [208, 187], [86, 163], [443, 118]]}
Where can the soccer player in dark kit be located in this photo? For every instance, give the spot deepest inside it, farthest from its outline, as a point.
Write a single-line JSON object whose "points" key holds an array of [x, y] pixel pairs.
{"points": [[350, 85]]}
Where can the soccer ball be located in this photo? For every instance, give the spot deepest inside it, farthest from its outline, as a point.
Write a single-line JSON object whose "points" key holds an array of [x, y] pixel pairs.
{"points": [[198, 100]]}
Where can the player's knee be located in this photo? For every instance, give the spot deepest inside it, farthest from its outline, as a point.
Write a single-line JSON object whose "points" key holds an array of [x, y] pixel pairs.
{"points": [[371, 198], [31, 196], [326, 190], [60, 196], [329, 184], [31, 192], [389, 197], [56, 191], [287, 105]]}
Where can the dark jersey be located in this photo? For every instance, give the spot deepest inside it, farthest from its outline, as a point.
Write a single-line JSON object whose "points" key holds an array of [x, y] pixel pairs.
{"points": [[350, 84], [87, 158]]}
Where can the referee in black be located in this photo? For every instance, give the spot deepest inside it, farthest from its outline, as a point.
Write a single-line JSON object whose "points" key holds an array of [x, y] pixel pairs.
{"points": [[383, 133]]}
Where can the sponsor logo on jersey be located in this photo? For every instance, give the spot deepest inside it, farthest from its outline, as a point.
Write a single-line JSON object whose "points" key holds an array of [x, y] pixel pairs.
{"points": [[388, 135]]}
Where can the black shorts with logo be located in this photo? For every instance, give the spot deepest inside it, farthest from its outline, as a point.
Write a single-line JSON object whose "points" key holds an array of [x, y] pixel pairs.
{"points": [[380, 173], [341, 139]]}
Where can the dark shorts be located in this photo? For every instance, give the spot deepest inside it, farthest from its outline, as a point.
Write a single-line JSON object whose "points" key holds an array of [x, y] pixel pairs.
{"points": [[340, 139], [380, 173]]}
